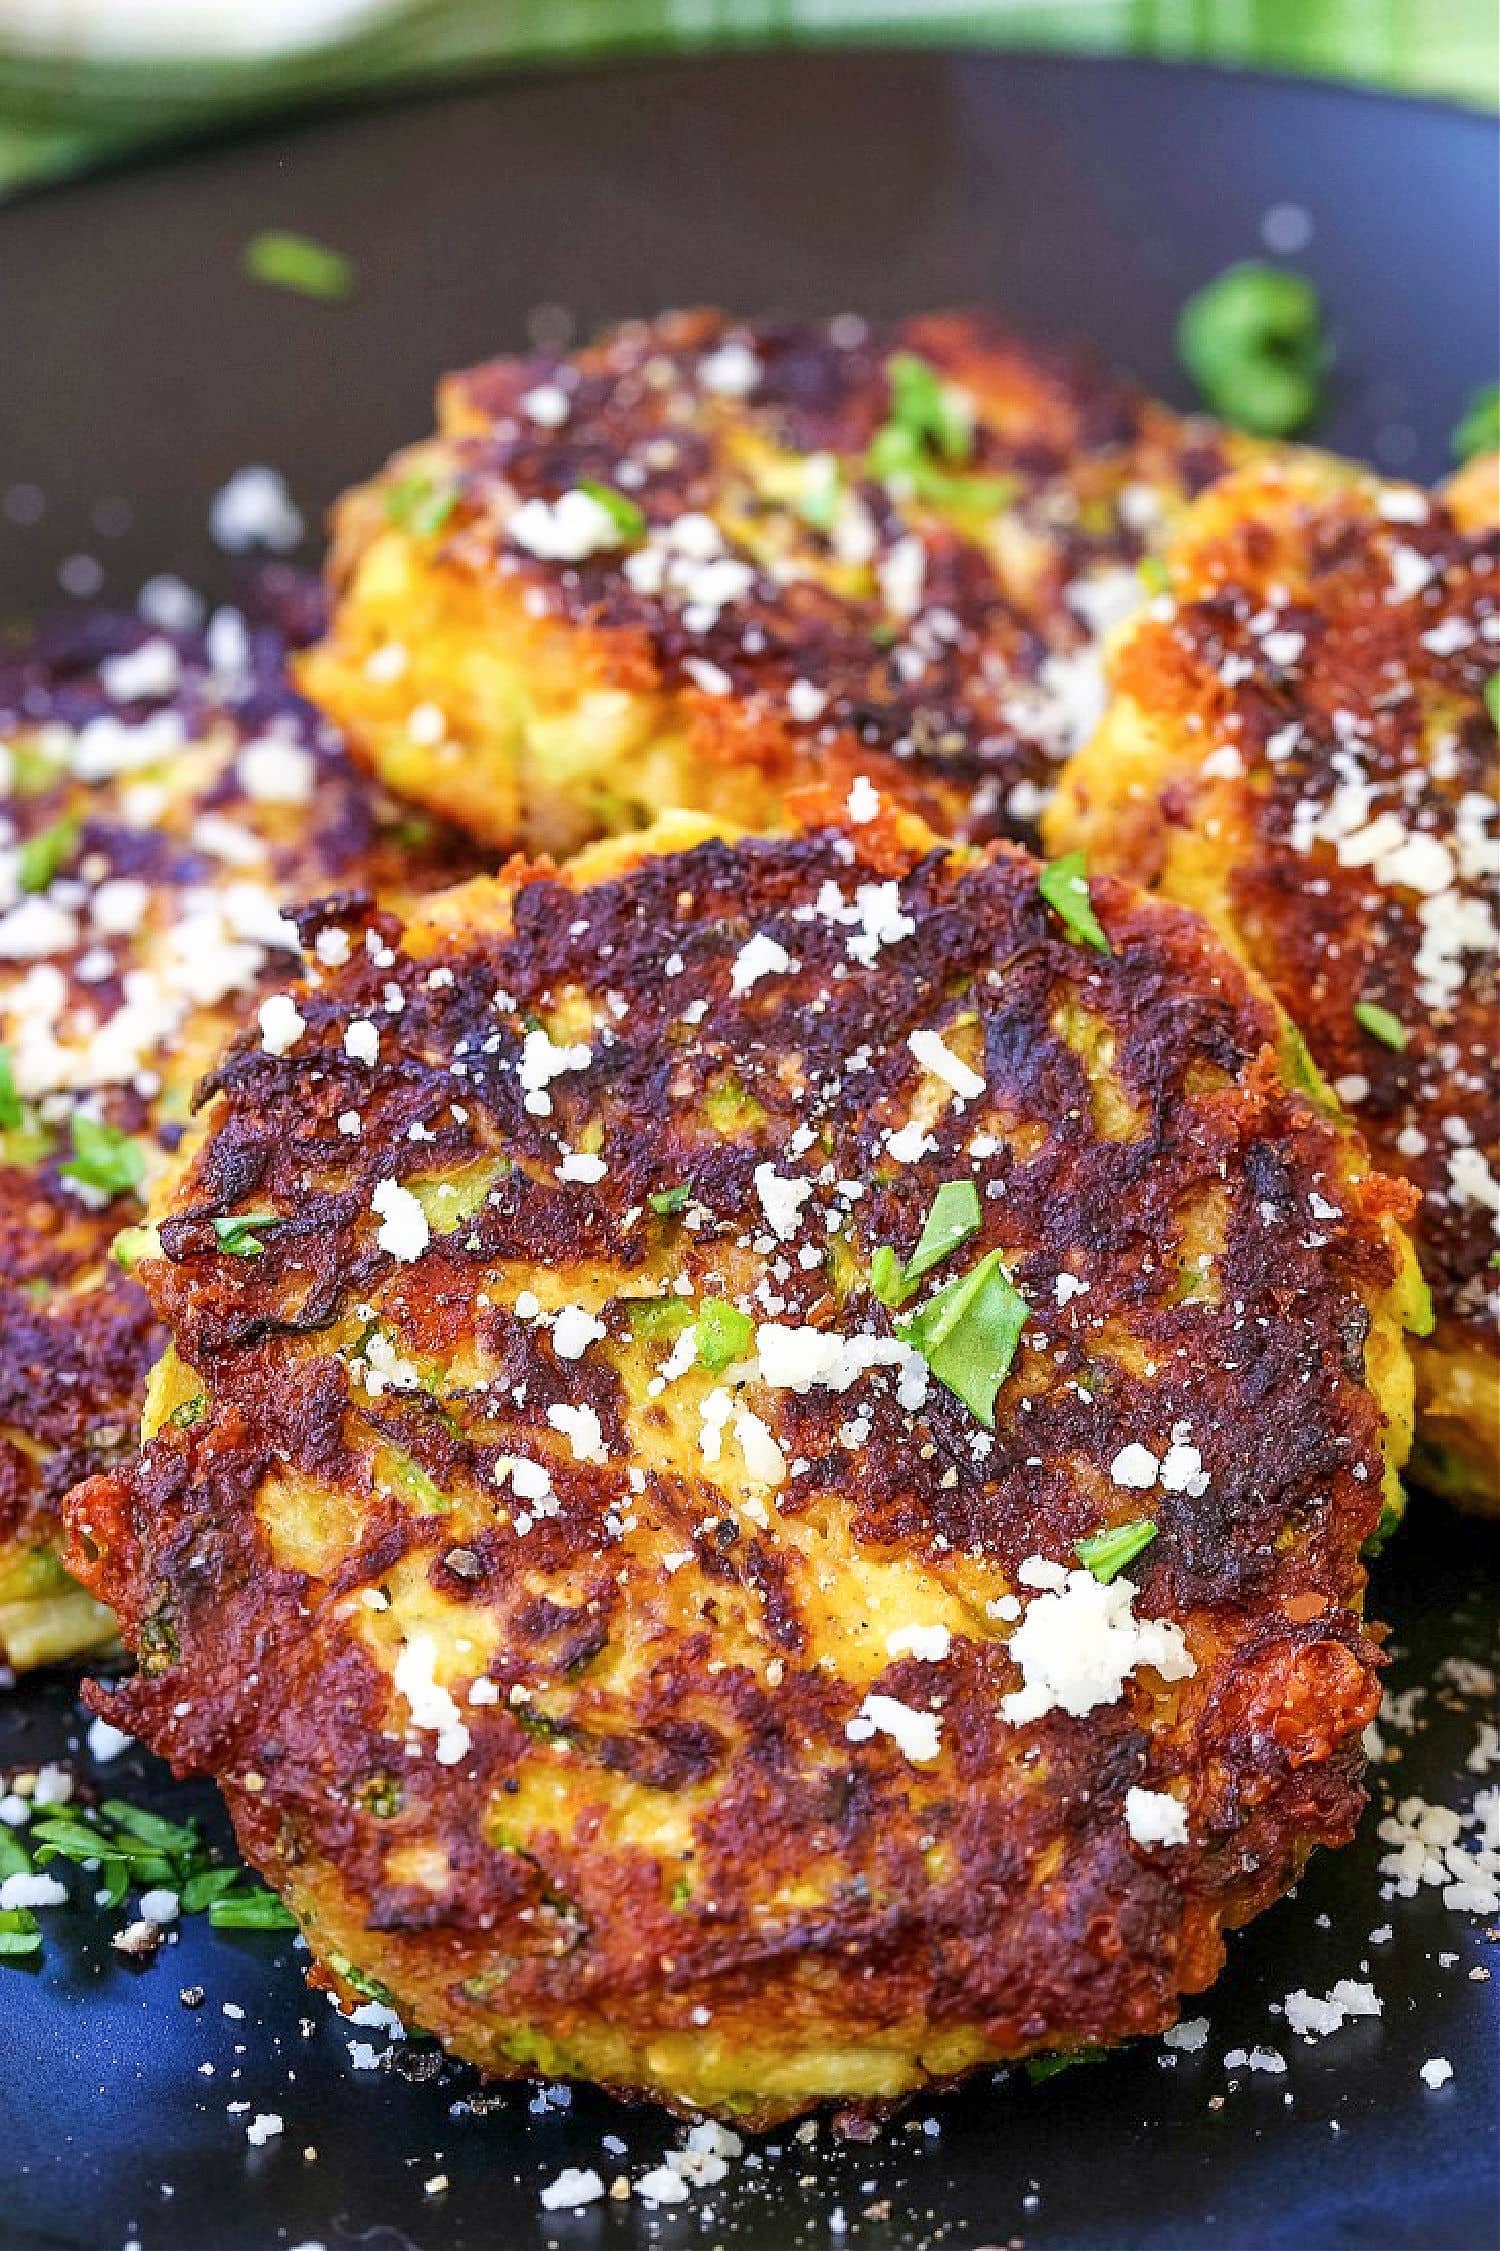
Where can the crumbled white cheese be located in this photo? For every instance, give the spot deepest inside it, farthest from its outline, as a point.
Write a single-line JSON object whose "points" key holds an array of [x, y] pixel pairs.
{"points": [[941, 1061], [254, 509], [929, 1643], [1154, 1817], [781, 1199], [583, 1431], [432, 1708], [574, 2187], [281, 1024], [1080, 1640], [574, 1330], [565, 530], [403, 1230], [273, 771], [915, 1734], [759, 957]]}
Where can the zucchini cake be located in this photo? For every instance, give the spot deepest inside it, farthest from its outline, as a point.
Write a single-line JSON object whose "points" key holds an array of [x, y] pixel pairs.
{"points": [[760, 1486], [162, 796], [1301, 743], [698, 564]]}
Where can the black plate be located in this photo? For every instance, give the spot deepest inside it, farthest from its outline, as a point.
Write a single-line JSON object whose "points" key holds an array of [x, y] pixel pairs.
{"points": [[140, 369]]}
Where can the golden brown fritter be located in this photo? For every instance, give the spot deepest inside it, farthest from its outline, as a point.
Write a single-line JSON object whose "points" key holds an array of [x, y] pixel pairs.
{"points": [[162, 796], [656, 1349], [700, 564], [1302, 745]]}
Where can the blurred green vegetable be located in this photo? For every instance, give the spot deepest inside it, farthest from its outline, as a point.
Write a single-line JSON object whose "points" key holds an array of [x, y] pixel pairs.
{"points": [[1253, 342]]}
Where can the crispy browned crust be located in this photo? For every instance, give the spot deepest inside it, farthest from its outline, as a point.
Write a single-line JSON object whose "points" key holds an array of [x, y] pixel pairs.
{"points": [[77, 1337], [1394, 630], [962, 709], [996, 1890]]}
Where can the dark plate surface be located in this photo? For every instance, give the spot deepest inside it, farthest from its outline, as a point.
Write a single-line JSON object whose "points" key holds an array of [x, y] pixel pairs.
{"points": [[140, 369]]}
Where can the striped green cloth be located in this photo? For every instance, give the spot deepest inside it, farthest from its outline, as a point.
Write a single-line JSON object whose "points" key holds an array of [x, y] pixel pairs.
{"points": [[59, 111]]}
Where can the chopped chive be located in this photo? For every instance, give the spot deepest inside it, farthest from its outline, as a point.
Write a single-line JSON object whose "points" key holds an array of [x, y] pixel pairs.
{"points": [[1492, 697], [954, 1217], [420, 505], [294, 261], [104, 1158], [1253, 342], [627, 519], [209, 1884], [250, 1911], [1041, 2068], [888, 1280], [724, 1334], [1479, 431], [1107, 1553], [150, 1828], [669, 1201], [45, 855], [11, 1113], [20, 1933], [967, 1332], [239, 1236], [1064, 884], [1381, 1024]]}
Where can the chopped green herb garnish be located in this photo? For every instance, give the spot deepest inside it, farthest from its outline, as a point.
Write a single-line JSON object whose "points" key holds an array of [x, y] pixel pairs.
{"points": [[15, 1860], [294, 261], [1107, 1553], [420, 505], [104, 1158], [1253, 342], [189, 1411], [888, 1276], [1492, 697], [967, 1332], [627, 519], [929, 432], [149, 1828], [669, 1201], [1040, 2068], [954, 1217], [1154, 575], [20, 1933], [1479, 431], [45, 855], [239, 1236], [724, 1334], [11, 1113], [209, 1884], [1064, 884], [1381, 1024], [928, 409], [250, 1911]]}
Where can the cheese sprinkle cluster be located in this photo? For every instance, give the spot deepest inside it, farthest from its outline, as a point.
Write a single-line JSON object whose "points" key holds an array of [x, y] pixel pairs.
{"points": [[759, 1490], [1302, 745], [699, 564], [163, 795]]}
